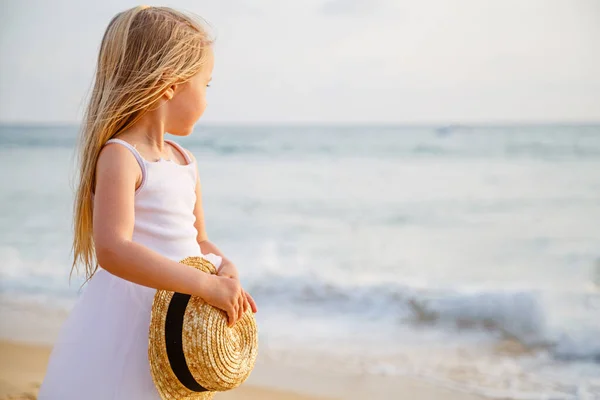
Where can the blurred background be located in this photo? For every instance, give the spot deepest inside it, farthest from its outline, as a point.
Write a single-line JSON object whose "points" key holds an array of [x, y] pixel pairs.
{"points": [[409, 188]]}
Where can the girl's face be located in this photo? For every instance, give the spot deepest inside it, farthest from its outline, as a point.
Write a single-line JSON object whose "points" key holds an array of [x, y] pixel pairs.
{"points": [[189, 101]]}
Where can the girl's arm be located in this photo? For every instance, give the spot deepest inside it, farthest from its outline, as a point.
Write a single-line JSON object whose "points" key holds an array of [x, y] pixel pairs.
{"points": [[117, 176]]}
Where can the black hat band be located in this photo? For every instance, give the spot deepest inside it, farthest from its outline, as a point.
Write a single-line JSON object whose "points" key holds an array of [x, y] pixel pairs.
{"points": [[174, 342]]}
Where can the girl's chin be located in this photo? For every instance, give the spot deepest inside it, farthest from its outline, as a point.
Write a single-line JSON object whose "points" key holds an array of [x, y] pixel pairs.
{"points": [[182, 132]]}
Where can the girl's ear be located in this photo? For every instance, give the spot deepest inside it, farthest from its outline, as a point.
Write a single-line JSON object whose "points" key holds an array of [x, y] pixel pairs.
{"points": [[170, 92]]}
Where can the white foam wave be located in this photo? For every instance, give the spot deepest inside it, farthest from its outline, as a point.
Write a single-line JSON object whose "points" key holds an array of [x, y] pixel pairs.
{"points": [[530, 316]]}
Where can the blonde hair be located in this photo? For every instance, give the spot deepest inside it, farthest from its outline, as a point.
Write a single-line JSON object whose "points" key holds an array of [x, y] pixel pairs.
{"points": [[143, 52]]}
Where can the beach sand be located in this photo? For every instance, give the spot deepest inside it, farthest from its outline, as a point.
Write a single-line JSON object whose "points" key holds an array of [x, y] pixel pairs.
{"points": [[22, 367]]}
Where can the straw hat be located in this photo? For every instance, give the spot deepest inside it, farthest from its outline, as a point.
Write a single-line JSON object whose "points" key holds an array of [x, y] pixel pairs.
{"points": [[192, 351]]}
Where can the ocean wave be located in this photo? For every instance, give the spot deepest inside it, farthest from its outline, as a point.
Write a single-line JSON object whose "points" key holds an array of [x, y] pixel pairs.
{"points": [[524, 315]]}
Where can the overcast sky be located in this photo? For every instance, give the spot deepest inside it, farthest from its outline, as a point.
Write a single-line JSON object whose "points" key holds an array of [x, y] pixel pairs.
{"points": [[338, 61]]}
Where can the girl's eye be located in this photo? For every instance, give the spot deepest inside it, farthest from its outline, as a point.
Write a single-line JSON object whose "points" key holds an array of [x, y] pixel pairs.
{"points": [[208, 85]]}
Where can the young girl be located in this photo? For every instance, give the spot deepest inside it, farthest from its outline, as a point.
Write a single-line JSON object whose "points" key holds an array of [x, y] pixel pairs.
{"points": [[138, 207]]}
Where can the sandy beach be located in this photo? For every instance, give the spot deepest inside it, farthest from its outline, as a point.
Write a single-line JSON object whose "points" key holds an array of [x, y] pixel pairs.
{"points": [[23, 365], [22, 369]]}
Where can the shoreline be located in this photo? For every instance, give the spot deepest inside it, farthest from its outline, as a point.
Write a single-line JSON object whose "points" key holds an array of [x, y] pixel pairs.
{"points": [[23, 367]]}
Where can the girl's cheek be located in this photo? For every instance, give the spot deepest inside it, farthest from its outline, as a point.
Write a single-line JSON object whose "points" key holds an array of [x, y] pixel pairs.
{"points": [[202, 101]]}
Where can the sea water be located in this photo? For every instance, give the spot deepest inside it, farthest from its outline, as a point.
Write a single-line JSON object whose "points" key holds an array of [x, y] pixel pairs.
{"points": [[468, 256]]}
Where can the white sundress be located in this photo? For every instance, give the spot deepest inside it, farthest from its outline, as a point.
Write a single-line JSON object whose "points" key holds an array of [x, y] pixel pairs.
{"points": [[102, 349]]}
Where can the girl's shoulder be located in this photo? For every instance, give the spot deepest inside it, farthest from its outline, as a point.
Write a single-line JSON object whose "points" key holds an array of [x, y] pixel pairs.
{"points": [[118, 160], [119, 153]]}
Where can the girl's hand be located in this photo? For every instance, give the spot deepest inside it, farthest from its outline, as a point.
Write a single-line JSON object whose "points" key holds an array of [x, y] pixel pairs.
{"points": [[250, 301], [226, 294], [229, 270]]}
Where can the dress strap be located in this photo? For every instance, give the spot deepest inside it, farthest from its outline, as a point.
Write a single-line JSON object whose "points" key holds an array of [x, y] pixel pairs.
{"points": [[137, 156], [180, 149]]}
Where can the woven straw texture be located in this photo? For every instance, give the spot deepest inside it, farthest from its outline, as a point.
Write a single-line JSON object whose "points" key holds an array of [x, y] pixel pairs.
{"points": [[219, 357]]}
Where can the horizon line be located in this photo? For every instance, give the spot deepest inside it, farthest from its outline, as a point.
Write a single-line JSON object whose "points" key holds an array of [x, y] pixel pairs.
{"points": [[438, 124]]}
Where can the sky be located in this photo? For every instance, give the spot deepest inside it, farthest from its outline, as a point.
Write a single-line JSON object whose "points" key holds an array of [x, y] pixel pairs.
{"points": [[332, 61]]}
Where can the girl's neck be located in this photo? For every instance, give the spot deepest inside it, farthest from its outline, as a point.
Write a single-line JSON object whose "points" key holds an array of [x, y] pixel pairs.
{"points": [[148, 132]]}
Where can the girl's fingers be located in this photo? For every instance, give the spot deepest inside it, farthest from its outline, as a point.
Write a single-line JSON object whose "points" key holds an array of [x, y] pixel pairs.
{"points": [[246, 304], [251, 301], [240, 306], [231, 313], [245, 299]]}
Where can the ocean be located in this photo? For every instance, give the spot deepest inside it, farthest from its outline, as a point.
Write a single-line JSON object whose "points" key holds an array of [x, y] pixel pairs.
{"points": [[467, 256]]}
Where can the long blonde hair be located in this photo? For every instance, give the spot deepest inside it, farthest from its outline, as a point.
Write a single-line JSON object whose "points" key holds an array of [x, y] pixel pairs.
{"points": [[143, 52]]}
